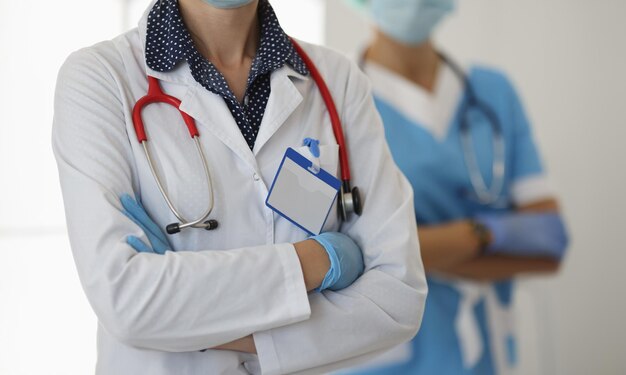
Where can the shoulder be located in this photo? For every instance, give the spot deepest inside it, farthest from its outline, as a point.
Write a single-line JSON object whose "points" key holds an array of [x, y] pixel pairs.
{"points": [[342, 75], [491, 82], [103, 60], [92, 82], [325, 58], [88, 61]]}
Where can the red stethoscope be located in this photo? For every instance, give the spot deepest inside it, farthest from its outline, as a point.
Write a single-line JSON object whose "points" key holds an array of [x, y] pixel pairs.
{"points": [[349, 199]]}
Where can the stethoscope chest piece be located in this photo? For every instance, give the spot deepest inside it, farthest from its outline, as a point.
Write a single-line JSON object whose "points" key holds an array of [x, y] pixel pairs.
{"points": [[349, 202]]}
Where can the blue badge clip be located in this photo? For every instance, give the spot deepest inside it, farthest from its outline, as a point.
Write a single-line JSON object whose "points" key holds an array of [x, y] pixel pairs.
{"points": [[314, 149]]}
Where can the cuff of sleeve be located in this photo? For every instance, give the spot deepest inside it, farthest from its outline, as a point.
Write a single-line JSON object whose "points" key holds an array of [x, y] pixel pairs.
{"points": [[297, 302], [267, 353], [531, 189], [296, 297]]}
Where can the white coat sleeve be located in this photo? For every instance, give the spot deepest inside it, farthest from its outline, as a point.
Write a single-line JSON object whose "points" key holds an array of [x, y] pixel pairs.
{"points": [[180, 301], [384, 306]]}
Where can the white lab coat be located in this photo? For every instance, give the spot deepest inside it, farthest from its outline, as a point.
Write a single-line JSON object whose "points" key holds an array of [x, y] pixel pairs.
{"points": [[157, 312]]}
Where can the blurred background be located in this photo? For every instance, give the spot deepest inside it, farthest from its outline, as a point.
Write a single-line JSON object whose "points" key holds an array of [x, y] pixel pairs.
{"points": [[566, 57]]}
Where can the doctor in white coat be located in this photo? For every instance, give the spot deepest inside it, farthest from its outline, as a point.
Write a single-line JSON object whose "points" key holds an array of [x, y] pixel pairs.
{"points": [[237, 299]]}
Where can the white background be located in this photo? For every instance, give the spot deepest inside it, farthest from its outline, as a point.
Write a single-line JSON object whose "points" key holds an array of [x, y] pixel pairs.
{"points": [[567, 57]]}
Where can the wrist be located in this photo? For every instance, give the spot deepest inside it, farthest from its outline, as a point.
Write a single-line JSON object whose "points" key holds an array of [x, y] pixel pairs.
{"points": [[244, 344], [482, 235], [314, 262]]}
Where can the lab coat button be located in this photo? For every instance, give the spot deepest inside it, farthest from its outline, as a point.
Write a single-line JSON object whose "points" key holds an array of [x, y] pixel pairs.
{"points": [[256, 177]]}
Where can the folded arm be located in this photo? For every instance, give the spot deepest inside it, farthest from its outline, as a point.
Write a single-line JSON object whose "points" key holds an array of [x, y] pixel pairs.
{"points": [[178, 301], [455, 249], [384, 307]]}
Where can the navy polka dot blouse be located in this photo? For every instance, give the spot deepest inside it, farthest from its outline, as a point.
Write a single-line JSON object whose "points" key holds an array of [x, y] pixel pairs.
{"points": [[168, 42]]}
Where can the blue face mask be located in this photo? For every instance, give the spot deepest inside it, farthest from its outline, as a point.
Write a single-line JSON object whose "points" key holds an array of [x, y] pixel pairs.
{"points": [[409, 21], [227, 4]]}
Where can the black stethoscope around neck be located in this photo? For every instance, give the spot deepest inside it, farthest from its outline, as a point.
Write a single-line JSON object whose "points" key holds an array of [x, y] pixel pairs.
{"points": [[485, 194]]}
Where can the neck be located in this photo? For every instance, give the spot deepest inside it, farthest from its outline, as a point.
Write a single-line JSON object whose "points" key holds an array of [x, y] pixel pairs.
{"points": [[418, 63], [227, 37]]}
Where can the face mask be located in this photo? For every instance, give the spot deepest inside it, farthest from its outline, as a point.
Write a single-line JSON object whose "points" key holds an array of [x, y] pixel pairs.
{"points": [[227, 4], [409, 21]]}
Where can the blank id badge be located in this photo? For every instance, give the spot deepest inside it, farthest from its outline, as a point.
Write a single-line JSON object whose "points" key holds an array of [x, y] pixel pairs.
{"points": [[302, 192]]}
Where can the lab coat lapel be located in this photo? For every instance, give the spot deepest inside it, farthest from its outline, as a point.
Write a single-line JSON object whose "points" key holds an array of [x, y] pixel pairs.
{"points": [[284, 99], [212, 114]]}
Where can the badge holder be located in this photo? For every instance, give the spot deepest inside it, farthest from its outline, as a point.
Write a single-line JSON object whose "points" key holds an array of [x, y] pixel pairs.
{"points": [[302, 192]]}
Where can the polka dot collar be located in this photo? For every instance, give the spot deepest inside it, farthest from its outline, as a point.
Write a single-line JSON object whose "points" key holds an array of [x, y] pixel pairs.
{"points": [[168, 42]]}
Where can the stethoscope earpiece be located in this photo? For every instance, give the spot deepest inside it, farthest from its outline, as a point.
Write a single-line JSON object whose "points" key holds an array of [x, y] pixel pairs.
{"points": [[207, 225], [173, 228], [211, 224]]}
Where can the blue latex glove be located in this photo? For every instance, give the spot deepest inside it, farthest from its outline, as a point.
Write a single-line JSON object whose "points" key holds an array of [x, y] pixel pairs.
{"points": [[525, 234], [158, 239], [346, 260]]}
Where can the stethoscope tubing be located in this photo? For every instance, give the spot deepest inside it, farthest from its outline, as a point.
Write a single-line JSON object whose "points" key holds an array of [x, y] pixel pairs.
{"points": [[183, 222], [349, 198], [486, 195], [335, 120], [156, 95]]}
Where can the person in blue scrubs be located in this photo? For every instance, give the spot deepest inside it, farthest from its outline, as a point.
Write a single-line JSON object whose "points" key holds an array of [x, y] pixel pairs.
{"points": [[483, 205]]}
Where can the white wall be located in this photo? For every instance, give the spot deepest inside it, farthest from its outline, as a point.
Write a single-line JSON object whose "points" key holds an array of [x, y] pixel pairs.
{"points": [[46, 325], [568, 59]]}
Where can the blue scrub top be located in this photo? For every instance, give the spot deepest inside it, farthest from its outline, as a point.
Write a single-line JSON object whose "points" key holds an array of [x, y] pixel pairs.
{"points": [[443, 192]]}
